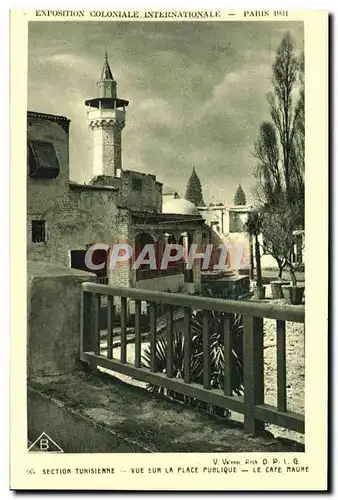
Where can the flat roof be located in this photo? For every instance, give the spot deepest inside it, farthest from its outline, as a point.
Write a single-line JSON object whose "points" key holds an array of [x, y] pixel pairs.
{"points": [[168, 218], [75, 185], [62, 120], [234, 208], [47, 116]]}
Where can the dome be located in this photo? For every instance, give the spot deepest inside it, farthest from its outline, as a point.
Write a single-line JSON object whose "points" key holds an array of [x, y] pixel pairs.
{"points": [[179, 206]]}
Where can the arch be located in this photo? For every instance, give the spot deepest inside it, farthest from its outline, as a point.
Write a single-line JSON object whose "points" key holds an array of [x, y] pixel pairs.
{"points": [[172, 239], [141, 240]]}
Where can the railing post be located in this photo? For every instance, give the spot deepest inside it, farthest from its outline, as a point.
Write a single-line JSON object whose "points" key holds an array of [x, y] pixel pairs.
{"points": [[89, 323], [123, 354], [85, 323], [152, 318], [96, 318], [206, 350], [253, 371], [170, 371], [227, 338], [137, 334], [110, 326], [281, 367], [187, 345]]}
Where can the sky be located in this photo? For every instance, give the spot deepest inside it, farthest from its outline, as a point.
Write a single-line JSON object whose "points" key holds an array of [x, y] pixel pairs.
{"points": [[196, 91]]}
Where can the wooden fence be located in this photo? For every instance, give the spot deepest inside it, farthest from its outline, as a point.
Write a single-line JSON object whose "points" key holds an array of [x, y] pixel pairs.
{"points": [[251, 405]]}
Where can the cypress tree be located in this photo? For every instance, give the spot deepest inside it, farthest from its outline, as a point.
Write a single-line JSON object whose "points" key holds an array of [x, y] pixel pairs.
{"points": [[239, 198], [194, 190]]}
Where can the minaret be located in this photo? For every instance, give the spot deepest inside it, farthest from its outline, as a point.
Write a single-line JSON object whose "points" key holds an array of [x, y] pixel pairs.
{"points": [[106, 117]]}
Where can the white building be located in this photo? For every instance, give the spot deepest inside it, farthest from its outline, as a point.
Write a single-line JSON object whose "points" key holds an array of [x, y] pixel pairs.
{"points": [[228, 222]]}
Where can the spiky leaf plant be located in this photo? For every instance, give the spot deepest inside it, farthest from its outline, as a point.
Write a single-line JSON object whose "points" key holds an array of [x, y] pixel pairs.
{"points": [[217, 358]]}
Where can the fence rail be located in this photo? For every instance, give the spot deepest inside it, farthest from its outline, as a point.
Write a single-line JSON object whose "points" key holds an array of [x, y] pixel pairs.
{"points": [[251, 405]]}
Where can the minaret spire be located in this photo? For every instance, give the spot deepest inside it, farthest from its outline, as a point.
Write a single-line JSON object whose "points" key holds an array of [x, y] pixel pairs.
{"points": [[106, 74]]}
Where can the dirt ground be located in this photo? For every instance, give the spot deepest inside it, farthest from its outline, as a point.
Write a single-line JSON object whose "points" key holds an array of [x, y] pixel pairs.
{"points": [[142, 423]]}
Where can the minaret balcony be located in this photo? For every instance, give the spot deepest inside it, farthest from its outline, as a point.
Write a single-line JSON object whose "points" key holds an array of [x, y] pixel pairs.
{"points": [[106, 114], [106, 103]]}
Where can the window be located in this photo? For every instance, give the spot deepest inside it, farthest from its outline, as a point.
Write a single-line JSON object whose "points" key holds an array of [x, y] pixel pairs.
{"points": [[38, 231], [136, 184], [42, 160], [233, 222]]}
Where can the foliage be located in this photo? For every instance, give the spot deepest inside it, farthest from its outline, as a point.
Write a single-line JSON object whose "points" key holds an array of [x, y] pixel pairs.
{"points": [[239, 198], [280, 151], [297, 172], [194, 190], [277, 231], [267, 173], [284, 109], [217, 359], [279, 148]]}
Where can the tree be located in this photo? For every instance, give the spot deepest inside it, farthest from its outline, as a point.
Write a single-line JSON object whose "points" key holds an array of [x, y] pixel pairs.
{"points": [[239, 198], [253, 227], [267, 172], [284, 108], [279, 150], [277, 230], [297, 185], [194, 190]]}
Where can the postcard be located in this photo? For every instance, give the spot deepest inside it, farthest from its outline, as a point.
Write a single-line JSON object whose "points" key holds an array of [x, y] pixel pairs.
{"points": [[169, 250]]}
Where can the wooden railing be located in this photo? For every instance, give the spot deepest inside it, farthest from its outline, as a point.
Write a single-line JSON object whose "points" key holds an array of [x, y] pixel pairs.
{"points": [[251, 405]]}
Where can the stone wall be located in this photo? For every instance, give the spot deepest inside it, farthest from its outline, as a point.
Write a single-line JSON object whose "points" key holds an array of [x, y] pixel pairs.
{"points": [[158, 196], [53, 318], [173, 284], [75, 215], [83, 218], [42, 194], [140, 192], [232, 287], [121, 274]]}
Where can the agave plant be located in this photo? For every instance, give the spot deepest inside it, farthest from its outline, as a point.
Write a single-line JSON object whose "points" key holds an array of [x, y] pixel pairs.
{"points": [[217, 358]]}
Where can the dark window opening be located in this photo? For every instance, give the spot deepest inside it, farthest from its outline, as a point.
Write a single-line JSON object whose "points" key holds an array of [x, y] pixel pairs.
{"points": [[265, 247], [136, 184], [42, 160], [236, 225], [38, 231], [78, 261]]}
